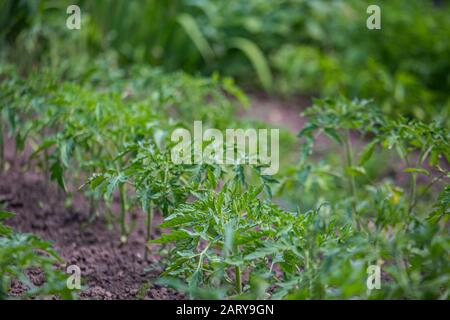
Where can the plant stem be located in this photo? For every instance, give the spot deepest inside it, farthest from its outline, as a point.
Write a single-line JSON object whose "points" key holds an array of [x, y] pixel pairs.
{"points": [[412, 197], [425, 190], [149, 228], [93, 206], [237, 270], [2, 148], [2, 293], [351, 178], [46, 167], [123, 229]]}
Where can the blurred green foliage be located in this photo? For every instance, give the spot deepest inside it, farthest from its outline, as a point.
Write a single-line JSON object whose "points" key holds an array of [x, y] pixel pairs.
{"points": [[98, 106], [290, 47]]}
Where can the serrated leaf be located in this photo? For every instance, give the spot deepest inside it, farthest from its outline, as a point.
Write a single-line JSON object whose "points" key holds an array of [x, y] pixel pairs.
{"points": [[307, 130], [355, 171], [113, 184], [367, 152], [332, 133]]}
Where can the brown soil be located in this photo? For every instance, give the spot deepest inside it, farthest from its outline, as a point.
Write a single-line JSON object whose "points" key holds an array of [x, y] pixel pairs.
{"points": [[278, 112], [109, 269]]}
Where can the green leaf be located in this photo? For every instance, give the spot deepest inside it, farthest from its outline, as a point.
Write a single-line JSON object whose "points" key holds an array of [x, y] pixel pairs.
{"points": [[212, 179], [113, 184], [47, 144], [307, 130], [269, 249], [6, 214], [95, 181], [367, 152], [356, 171], [57, 173], [417, 170], [306, 149], [65, 151], [332, 133], [5, 230], [175, 235]]}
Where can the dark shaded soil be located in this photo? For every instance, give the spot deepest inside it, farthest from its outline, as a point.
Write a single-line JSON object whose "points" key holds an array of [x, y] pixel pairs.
{"points": [[110, 269]]}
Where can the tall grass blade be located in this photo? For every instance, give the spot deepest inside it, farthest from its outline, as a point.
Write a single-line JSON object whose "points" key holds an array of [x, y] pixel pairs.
{"points": [[193, 31], [257, 58]]}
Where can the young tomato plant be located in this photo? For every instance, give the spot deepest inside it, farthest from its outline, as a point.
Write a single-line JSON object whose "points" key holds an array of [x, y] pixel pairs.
{"points": [[214, 236], [18, 253]]}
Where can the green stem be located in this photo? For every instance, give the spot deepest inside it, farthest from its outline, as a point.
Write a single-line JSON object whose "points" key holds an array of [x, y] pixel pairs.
{"points": [[46, 168], [123, 227], [308, 272], [351, 178], [93, 206], [412, 197], [2, 293], [237, 270], [149, 228], [425, 190], [2, 149]]}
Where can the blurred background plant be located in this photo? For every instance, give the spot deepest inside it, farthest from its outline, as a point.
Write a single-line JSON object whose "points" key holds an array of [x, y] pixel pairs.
{"points": [[365, 182], [319, 47]]}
